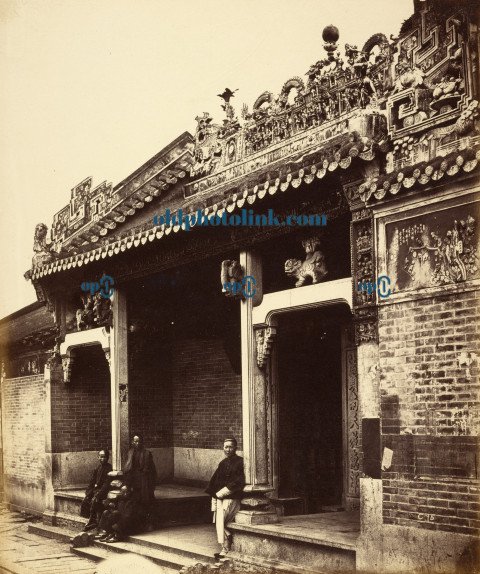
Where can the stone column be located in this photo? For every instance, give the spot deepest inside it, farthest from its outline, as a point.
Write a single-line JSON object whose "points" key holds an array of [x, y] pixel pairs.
{"points": [[257, 435], [53, 374], [118, 361]]}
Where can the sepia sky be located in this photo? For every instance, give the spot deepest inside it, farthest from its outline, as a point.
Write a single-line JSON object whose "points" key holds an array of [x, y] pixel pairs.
{"points": [[97, 87]]}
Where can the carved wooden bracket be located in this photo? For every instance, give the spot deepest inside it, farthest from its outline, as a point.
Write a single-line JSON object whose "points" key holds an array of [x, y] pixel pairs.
{"points": [[264, 338], [67, 364]]}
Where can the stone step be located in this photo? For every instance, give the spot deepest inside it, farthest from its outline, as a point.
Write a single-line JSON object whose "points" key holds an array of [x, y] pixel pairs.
{"points": [[186, 550], [61, 534], [100, 554], [271, 565], [92, 553], [66, 520], [163, 557], [172, 557]]}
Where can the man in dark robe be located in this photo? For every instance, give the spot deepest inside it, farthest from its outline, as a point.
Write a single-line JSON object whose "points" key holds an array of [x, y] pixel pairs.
{"points": [[140, 475], [96, 492], [226, 490], [123, 517]]}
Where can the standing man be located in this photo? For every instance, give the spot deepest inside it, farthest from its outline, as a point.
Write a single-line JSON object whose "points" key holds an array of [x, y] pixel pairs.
{"points": [[140, 476], [97, 490], [226, 489]]}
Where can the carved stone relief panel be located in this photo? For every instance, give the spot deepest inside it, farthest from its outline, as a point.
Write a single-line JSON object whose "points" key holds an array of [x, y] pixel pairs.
{"points": [[435, 247]]}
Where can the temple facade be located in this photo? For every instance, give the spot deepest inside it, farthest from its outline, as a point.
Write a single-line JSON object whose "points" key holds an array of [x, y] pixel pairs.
{"points": [[349, 373]]}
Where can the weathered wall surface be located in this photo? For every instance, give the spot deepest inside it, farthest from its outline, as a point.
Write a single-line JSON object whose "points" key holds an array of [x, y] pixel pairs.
{"points": [[424, 516], [150, 393], [80, 410], [207, 405], [23, 410], [430, 416]]}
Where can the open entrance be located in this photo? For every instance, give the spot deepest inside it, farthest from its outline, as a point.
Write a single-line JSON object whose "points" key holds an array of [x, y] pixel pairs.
{"points": [[310, 410]]}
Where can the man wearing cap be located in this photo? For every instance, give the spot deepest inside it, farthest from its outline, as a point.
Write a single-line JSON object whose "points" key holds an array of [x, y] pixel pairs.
{"points": [[226, 489], [97, 490]]}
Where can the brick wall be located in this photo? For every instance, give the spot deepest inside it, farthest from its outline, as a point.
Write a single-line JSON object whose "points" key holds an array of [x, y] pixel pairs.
{"points": [[23, 416], [81, 415], [430, 412], [207, 395], [150, 395]]}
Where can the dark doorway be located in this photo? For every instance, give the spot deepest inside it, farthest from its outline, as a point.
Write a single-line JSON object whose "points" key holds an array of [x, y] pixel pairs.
{"points": [[310, 409]]}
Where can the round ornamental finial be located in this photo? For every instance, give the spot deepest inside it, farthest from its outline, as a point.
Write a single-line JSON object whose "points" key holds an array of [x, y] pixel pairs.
{"points": [[330, 34]]}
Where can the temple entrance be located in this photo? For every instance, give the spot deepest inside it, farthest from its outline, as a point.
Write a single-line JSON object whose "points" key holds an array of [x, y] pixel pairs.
{"points": [[310, 411]]}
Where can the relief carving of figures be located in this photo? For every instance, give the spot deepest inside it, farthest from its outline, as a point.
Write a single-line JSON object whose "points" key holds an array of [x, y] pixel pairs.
{"points": [[96, 312], [435, 251], [313, 266], [102, 311], [43, 251], [411, 79], [454, 255], [334, 87]]}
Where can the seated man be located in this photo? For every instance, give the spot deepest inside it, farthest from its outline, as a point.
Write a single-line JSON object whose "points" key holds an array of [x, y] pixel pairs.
{"points": [[122, 517], [97, 490], [226, 489]]}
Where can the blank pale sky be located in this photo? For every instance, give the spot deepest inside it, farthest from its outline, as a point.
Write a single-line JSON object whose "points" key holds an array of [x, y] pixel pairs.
{"points": [[97, 87]]}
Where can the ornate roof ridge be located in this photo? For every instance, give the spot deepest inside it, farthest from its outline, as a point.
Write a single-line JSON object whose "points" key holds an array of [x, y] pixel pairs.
{"points": [[93, 212], [405, 100], [450, 165]]}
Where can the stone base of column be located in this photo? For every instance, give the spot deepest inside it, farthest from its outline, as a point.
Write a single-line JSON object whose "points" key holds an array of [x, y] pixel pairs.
{"points": [[264, 516], [256, 507]]}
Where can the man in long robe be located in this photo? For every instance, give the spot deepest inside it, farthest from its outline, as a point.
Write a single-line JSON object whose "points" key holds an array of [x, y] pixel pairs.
{"points": [[96, 492], [140, 476], [226, 490]]}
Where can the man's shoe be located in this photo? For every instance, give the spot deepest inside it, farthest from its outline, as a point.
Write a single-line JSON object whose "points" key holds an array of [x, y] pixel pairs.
{"points": [[100, 535], [113, 538], [89, 526], [108, 537]]}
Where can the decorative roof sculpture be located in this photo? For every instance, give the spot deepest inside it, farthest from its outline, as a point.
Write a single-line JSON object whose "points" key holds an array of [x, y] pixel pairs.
{"points": [[409, 101]]}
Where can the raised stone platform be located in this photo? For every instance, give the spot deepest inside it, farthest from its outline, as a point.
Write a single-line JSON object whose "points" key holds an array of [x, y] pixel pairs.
{"points": [[323, 543], [174, 504], [308, 544]]}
